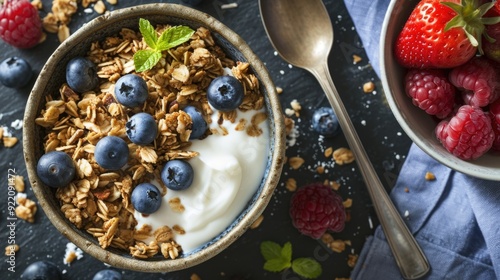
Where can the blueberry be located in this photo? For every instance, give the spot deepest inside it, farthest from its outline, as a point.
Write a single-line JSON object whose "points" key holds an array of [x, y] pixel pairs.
{"points": [[15, 72], [177, 174], [41, 270], [141, 129], [146, 198], [325, 122], [107, 274], [81, 75], [55, 169], [225, 93], [199, 124], [111, 152], [131, 90]]}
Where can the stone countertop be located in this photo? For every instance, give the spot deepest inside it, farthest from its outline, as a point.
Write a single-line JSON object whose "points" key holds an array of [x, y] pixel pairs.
{"points": [[385, 142]]}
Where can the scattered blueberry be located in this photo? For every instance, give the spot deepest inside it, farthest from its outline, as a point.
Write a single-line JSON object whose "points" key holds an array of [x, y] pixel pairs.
{"points": [[177, 174], [131, 90], [225, 93], [199, 124], [15, 72], [192, 2], [107, 274], [141, 129], [81, 75], [55, 169], [325, 122], [41, 270], [146, 198], [111, 152]]}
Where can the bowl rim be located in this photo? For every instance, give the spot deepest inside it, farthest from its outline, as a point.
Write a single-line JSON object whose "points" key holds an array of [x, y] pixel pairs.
{"points": [[125, 261], [478, 168]]}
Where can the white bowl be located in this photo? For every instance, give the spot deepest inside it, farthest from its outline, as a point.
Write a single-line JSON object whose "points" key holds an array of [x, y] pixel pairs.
{"points": [[416, 123]]}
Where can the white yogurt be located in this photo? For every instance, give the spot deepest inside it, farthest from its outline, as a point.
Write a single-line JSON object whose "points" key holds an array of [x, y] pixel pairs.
{"points": [[227, 173]]}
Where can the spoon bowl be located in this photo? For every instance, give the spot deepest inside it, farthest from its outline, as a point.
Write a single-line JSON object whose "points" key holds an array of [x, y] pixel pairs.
{"points": [[304, 37], [302, 33]]}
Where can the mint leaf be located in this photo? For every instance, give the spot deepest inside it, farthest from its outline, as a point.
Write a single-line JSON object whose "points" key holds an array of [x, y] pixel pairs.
{"points": [[276, 265], [146, 59], [148, 32], [270, 250], [307, 268], [286, 252], [174, 36]]}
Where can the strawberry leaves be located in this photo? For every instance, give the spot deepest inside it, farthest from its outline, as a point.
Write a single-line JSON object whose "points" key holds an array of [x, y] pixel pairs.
{"points": [[172, 37], [471, 19]]}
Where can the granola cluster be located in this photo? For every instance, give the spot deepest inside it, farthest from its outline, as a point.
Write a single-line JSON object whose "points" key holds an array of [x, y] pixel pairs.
{"points": [[98, 200]]}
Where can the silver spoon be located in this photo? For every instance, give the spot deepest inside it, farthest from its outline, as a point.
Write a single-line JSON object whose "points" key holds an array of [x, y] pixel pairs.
{"points": [[302, 33]]}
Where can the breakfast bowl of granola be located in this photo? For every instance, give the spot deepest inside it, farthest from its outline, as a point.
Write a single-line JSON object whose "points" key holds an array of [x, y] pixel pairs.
{"points": [[441, 88], [153, 137]]}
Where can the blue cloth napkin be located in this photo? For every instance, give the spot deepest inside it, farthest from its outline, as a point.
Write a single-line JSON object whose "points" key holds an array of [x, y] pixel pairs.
{"points": [[455, 218]]}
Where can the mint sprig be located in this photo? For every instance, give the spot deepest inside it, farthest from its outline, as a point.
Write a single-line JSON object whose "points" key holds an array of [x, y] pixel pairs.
{"points": [[280, 258], [172, 37]]}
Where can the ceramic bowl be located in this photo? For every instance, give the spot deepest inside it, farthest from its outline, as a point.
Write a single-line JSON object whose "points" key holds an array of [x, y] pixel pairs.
{"points": [[416, 123], [53, 75]]}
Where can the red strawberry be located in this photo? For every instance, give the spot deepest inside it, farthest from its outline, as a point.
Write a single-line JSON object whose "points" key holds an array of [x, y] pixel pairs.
{"points": [[441, 34], [20, 24]]}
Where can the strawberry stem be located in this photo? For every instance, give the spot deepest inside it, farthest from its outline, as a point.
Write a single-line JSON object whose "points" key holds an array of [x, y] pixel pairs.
{"points": [[470, 17]]}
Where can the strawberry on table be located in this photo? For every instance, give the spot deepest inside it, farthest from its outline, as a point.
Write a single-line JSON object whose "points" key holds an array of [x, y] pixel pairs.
{"points": [[20, 24], [441, 34]]}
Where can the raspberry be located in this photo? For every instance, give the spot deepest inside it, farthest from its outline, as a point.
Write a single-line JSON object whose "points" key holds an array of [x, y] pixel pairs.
{"points": [[20, 24], [468, 134], [431, 91], [478, 79], [315, 209], [495, 123]]}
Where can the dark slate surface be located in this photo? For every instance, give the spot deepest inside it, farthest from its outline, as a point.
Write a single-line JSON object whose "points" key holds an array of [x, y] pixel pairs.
{"points": [[384, 140]]}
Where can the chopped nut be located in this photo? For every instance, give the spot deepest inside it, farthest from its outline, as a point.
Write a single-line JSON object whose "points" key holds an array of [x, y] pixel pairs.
{"points": [[328, 152], [356, 59], [257, 222], [429, 176], [11, 249], [99, 7], [347, 203], [9, 142], [320, 169], [343, 156], [279, 90], [195, 276], [352, 260], [19, 183], [291, 184], [295, 162], [368, 87], [26, 208], [62, 32]]}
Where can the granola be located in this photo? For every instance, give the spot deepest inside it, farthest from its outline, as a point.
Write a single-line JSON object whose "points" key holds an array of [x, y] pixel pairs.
{"points": [[98, 200]]}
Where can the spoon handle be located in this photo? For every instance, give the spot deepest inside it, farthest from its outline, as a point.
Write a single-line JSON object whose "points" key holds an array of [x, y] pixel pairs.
{"points": [[409, 257]]}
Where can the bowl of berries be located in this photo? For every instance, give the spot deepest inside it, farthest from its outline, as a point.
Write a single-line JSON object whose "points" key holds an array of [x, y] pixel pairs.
{"points": [[440, 70], [153, 137]]}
